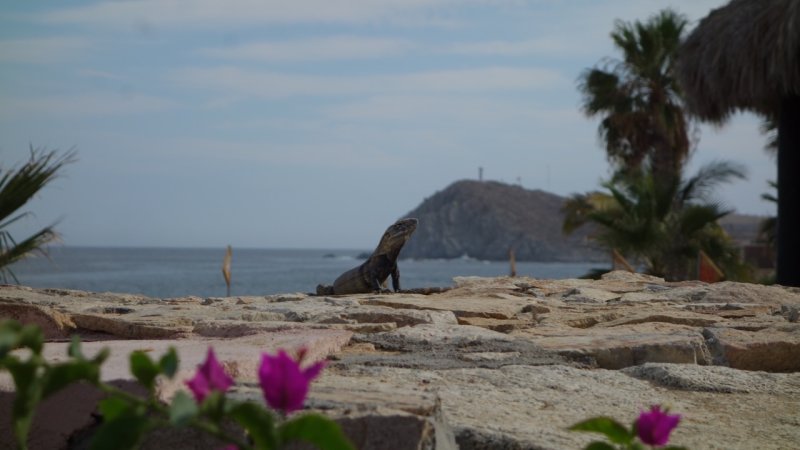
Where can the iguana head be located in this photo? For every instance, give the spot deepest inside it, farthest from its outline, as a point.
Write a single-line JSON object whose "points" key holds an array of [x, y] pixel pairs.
{"points": [[396, 236]]}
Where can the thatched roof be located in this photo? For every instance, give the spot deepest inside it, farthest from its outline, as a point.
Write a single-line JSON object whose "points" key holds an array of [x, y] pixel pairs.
{"points": [[745, 55]]}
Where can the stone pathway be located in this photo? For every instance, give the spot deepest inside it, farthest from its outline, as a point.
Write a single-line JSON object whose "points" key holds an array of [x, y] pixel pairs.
{"points": [[491, 363]]}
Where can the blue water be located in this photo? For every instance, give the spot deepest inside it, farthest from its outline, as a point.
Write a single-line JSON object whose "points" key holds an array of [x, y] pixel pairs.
{"points": [[177, 272]]}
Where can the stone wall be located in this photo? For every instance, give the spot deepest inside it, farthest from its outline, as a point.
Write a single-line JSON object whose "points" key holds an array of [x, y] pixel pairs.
{"points": [[491, 363]]}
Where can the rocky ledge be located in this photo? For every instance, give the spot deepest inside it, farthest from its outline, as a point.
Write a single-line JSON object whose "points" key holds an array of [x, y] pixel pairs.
{"points": [[500, 363]]}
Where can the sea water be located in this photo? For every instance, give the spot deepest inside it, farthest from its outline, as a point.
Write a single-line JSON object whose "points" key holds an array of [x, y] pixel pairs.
{"points": [[178, 272]]}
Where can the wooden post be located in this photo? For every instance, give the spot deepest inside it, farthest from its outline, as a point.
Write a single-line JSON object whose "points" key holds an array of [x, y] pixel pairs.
{"points": [[618, 262], [226, 268], [513, 260], [788, 258]]}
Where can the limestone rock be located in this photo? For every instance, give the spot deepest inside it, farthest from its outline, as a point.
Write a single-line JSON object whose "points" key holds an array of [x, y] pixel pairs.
{"points": [[588, 295], [625, 345], [491, 363], [505, 308], [54, 324], [716, 379], [520, 406], [774, 349]]}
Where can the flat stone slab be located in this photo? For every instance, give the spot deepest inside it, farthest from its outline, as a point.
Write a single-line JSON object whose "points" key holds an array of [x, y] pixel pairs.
{"points": [[500, 362], [532, 407], [240, 356], [774, 349], [674, 317], [625, 345], [451, 346], [490, 307], [716, 379]]}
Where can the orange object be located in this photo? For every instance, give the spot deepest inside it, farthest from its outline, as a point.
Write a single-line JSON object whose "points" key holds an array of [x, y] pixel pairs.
{"points": [[706, 269], [618, 262]]}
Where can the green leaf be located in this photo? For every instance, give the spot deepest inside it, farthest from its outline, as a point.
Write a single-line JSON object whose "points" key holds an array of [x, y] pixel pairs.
{"points": [[28, 393], [61, 375], [113, 407], [597, 445], [102, 355], [144, 369], [9, 336], [315, 429], [74, 349], [258, 422], [183, 409], [31, 336], [169, 363], [123, 432], [612, 429], [214, 405]]}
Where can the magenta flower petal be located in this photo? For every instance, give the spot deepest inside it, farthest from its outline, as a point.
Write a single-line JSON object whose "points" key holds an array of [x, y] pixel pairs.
{"points": [[655, 426], [283, 383], [210, 376], [313, 371], [199, 387]]}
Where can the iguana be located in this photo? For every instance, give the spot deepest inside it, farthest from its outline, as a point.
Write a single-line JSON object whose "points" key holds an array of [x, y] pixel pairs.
{"points": [[372, 274]]}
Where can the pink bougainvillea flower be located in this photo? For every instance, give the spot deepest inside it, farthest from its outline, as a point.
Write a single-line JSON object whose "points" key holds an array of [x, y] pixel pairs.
{"points": [[210, 376], [283, 382], [655, 426]]}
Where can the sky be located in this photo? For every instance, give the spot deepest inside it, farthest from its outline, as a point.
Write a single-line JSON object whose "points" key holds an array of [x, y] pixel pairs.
{"points": [[311, 123]]}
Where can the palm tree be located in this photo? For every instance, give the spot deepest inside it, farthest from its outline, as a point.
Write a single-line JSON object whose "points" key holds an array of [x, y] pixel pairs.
{"points": [[640, 102], [17, 187], [661, 225]]}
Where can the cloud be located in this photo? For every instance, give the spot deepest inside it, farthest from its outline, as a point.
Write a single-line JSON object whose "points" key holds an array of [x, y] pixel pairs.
{"points": [[442, 110], [86, 104], [548, 45], [230, 81], [101, 74], [316, 49], [330, 150], [42, 50], [156, 13]]}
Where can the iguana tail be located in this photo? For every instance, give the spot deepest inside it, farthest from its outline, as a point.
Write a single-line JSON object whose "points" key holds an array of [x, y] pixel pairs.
{"points": [[324, 289]]}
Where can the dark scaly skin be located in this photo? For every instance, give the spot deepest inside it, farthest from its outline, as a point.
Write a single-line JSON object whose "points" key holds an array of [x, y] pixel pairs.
{"points": [[372, 274]]}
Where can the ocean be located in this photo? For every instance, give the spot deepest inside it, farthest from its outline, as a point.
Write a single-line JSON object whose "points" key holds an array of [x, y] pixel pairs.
{"points": [[179, 272]]}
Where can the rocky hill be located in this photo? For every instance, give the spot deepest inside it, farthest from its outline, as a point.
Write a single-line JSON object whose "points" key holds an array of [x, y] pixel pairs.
{"points": [[483, 219]]}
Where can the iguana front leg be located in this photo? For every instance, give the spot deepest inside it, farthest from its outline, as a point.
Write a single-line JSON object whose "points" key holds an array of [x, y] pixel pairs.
{"points": [[396, 278]]}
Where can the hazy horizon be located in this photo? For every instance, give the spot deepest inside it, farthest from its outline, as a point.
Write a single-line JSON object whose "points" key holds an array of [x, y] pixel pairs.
{"points": [[312, 124]]}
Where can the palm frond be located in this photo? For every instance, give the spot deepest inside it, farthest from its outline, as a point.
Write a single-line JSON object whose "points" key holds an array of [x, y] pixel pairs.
{"points": [[708, 177], [694, 218], [17, 187], [12, 251]]}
